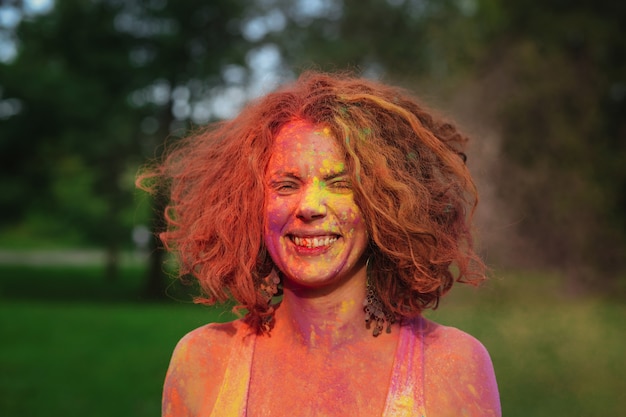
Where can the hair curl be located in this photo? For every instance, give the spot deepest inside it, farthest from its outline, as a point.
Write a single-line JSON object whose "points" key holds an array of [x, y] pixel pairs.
{"points": [[409, 179]]}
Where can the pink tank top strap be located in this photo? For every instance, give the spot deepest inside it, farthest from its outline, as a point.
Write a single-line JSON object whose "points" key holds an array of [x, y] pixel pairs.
{"points": [[233, 395], [406, 389]]}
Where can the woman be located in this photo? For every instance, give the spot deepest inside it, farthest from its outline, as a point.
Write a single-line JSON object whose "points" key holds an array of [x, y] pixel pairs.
{"points": [[352, 202]]}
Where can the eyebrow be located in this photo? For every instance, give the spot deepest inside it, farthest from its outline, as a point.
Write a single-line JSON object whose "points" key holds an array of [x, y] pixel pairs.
{"points": [[295, 176], [334, 175]]}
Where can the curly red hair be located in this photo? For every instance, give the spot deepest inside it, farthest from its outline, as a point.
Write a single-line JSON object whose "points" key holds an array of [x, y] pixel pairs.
{"points": [[409, 179]]}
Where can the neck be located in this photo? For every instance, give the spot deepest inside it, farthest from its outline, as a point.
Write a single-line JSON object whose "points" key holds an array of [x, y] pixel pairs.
{"points": [[324, 318]]}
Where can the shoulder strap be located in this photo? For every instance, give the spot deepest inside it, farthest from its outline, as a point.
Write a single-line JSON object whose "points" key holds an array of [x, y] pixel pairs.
{"points": [[233, 395], [406, 389]]}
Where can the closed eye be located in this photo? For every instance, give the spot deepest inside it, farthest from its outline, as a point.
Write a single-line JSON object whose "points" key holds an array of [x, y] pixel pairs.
{"points": [[340, 184], [284, 187]]}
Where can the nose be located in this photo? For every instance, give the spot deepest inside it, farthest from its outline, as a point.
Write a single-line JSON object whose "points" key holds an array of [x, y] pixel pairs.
{"points": [[312, 204]]}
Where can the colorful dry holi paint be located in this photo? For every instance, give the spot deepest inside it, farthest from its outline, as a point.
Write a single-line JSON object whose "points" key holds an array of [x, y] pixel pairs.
{"points": [[314, 231], [436, 371]]}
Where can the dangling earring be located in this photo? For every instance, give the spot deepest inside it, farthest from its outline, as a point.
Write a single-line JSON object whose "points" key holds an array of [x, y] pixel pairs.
{"points": [[269, 286], [268, 289], [374, 309]]}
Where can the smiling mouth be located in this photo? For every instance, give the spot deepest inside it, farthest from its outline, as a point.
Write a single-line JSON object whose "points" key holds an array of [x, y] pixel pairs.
{"points": [[313, 241]]}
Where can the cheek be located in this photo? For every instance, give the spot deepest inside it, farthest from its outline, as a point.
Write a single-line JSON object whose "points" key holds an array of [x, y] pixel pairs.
{"points": [[275, 215], [350, 215]]}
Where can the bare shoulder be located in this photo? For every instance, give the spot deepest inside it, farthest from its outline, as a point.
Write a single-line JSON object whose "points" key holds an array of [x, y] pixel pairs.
{"points": [[460, 378], [207, 339], [452, 342], [197, 367]]}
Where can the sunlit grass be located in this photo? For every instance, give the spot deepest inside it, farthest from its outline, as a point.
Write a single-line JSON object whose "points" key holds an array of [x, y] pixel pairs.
{"points": [[555, 355], [60, 359]]}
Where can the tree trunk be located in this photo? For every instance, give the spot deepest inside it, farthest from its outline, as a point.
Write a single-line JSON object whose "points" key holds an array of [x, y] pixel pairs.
{"points": [[155, 279], [111, 271]]}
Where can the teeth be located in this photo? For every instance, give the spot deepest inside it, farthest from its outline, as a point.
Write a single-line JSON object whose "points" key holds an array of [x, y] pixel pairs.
{"points": [[314, 242]]}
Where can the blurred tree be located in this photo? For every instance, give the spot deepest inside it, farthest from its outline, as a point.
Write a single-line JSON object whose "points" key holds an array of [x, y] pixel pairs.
{"points": [[98, 86], [563, 122], [123, 75], [400, 39]]}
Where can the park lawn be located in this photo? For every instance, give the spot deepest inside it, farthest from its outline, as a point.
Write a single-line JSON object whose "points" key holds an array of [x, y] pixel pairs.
{"points": [[554, 354], [60, 359], [66, 356]]}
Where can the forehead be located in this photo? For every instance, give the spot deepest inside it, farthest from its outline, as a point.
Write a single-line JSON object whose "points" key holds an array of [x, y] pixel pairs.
{"points": [[301, 141]]}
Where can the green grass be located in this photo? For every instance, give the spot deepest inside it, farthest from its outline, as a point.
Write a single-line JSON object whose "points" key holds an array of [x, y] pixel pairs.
{"points": [[554, 355], [62, 359], [72, 345]]}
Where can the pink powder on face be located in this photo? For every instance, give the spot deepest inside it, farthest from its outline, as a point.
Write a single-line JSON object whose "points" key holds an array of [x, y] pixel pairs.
{"points": [[314, 230]]}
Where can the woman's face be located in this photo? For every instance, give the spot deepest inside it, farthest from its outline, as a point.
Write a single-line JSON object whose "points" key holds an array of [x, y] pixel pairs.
{"points": [[314, 230]]}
